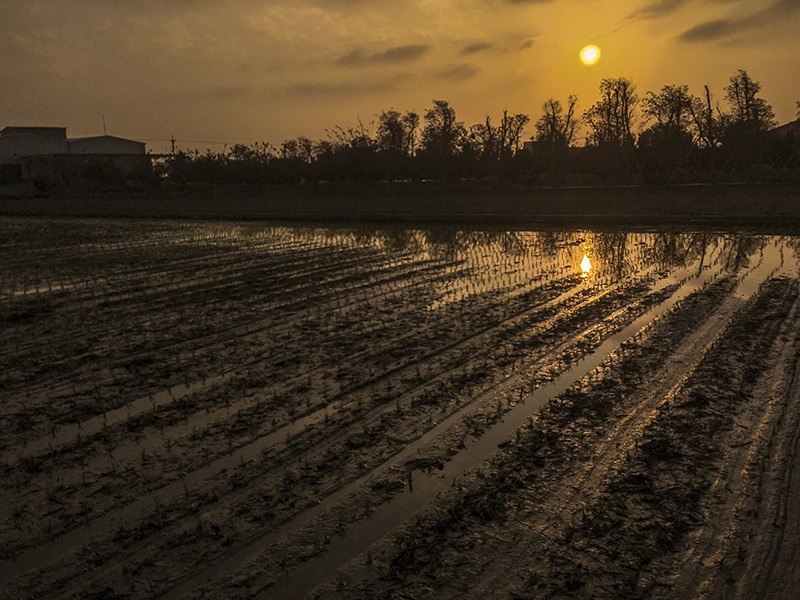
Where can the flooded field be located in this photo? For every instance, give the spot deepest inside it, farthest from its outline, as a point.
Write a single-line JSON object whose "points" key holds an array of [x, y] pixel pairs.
{"points": [[219, 409]]}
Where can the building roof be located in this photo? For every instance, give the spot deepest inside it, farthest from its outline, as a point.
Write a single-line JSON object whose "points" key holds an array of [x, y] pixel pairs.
{"points": [[17, 142], [59, 133], [105, 144], [789, 129]]}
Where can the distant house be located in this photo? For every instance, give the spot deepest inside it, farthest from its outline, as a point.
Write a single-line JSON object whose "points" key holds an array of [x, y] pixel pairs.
{"points": [[46, 154], [789, 130]]}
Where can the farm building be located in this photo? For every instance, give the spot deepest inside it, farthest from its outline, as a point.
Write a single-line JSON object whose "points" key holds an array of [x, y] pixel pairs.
{"points": [[788, 130], [47, 155]]}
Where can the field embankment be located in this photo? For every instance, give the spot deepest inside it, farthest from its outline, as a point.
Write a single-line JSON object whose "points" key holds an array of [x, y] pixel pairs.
{"points": [[752, 205]]}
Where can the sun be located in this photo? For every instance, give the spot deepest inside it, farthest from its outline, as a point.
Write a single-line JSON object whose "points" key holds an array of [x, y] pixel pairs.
{"points": [[590, 55]]}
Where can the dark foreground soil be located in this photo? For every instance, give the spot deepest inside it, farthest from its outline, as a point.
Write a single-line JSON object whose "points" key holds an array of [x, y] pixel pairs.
{"points": [[235, 410], [767, 206], [636, 486]]}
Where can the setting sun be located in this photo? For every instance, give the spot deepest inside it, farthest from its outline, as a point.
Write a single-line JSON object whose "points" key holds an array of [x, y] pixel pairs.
{"points": [[590, 55]]}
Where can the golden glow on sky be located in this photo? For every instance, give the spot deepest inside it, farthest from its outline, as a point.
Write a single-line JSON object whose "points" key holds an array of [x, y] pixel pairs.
{"points": [[590, 55], [256, 71]]}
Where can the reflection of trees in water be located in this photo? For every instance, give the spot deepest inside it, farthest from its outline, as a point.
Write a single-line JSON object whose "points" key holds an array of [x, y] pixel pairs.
{"points": [[670, 249], [673, 250], [738, 249], [793, 244], [617, 254], [610, 251]]}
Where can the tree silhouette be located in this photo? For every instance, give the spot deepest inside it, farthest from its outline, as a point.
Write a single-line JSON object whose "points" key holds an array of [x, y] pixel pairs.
{"points": [[750, 118], [483, 141], [746, 107], [511, 128], [685, 136], [610, 121], [502, 141], [670, 108], [667, 143], [611, 118], [554, 127], [397, 132], [442, 135], [443, 138], [707, 119]]}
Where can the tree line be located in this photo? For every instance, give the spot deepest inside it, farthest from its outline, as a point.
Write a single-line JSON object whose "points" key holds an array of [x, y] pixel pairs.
{"points": [[664, 136]]}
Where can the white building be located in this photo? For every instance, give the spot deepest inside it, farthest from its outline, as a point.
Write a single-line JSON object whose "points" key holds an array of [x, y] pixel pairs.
{"points": [[46, 154]]}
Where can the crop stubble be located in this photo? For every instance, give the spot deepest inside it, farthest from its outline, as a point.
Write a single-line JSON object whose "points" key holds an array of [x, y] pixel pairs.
{"points": [[174, 394]]}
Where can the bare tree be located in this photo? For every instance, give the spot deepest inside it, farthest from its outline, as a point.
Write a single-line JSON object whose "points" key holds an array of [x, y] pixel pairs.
{"points": [[411, 122], [666, 145], [554, 127], [300, 149], [501, 141], [746, 107], [397, 133], [511, 128], [352, 137], [391, 134], [707, 120], [670, 108], [442, 134], [611, 118], [483, 139]]}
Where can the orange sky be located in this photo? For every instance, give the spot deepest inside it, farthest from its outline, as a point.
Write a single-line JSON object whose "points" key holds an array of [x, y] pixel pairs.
{"points": [[246, 71]]}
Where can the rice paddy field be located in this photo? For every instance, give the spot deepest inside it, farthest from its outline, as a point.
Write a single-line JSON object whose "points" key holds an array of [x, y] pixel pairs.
{"points": [[219, 409]]}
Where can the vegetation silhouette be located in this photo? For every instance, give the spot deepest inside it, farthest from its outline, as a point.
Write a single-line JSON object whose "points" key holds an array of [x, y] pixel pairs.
{"points": [[668, 136]]}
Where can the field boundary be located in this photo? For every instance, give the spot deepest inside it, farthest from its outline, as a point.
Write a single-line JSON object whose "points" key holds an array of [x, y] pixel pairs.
{"points": [[713, 205]]}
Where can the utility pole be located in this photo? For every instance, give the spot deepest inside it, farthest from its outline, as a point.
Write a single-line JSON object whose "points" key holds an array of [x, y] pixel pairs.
{"points": [[172, 139]]}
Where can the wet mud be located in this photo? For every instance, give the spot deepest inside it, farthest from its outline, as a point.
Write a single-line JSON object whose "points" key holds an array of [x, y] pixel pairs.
{"points": [[254, 410]]}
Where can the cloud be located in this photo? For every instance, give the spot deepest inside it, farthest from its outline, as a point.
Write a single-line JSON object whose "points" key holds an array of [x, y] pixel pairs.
{"points": [[725, 28], [710, 30], [656, 9], [398, 54], [459, 73], [473, 48], [313, 90]]}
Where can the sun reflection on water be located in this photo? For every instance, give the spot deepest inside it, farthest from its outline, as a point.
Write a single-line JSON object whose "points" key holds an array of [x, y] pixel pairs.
{"points": [[586, 267]]}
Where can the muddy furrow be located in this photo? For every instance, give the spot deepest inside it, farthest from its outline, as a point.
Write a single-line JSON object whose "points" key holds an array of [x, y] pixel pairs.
{"points": [[706, 334], [162, 399], [254, 328], [152, 298], [148, 500], [563, 530], [116, 382], [315, 418], [733, 554], [343, 493], [468, 358], [360, 537]]}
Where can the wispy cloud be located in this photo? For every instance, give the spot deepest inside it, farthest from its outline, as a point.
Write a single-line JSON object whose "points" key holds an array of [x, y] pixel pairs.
{"points": [[459, 73], [657, 8], [717, 29], [710, 30], [474, 48], [397, 54], [314, 90]]}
